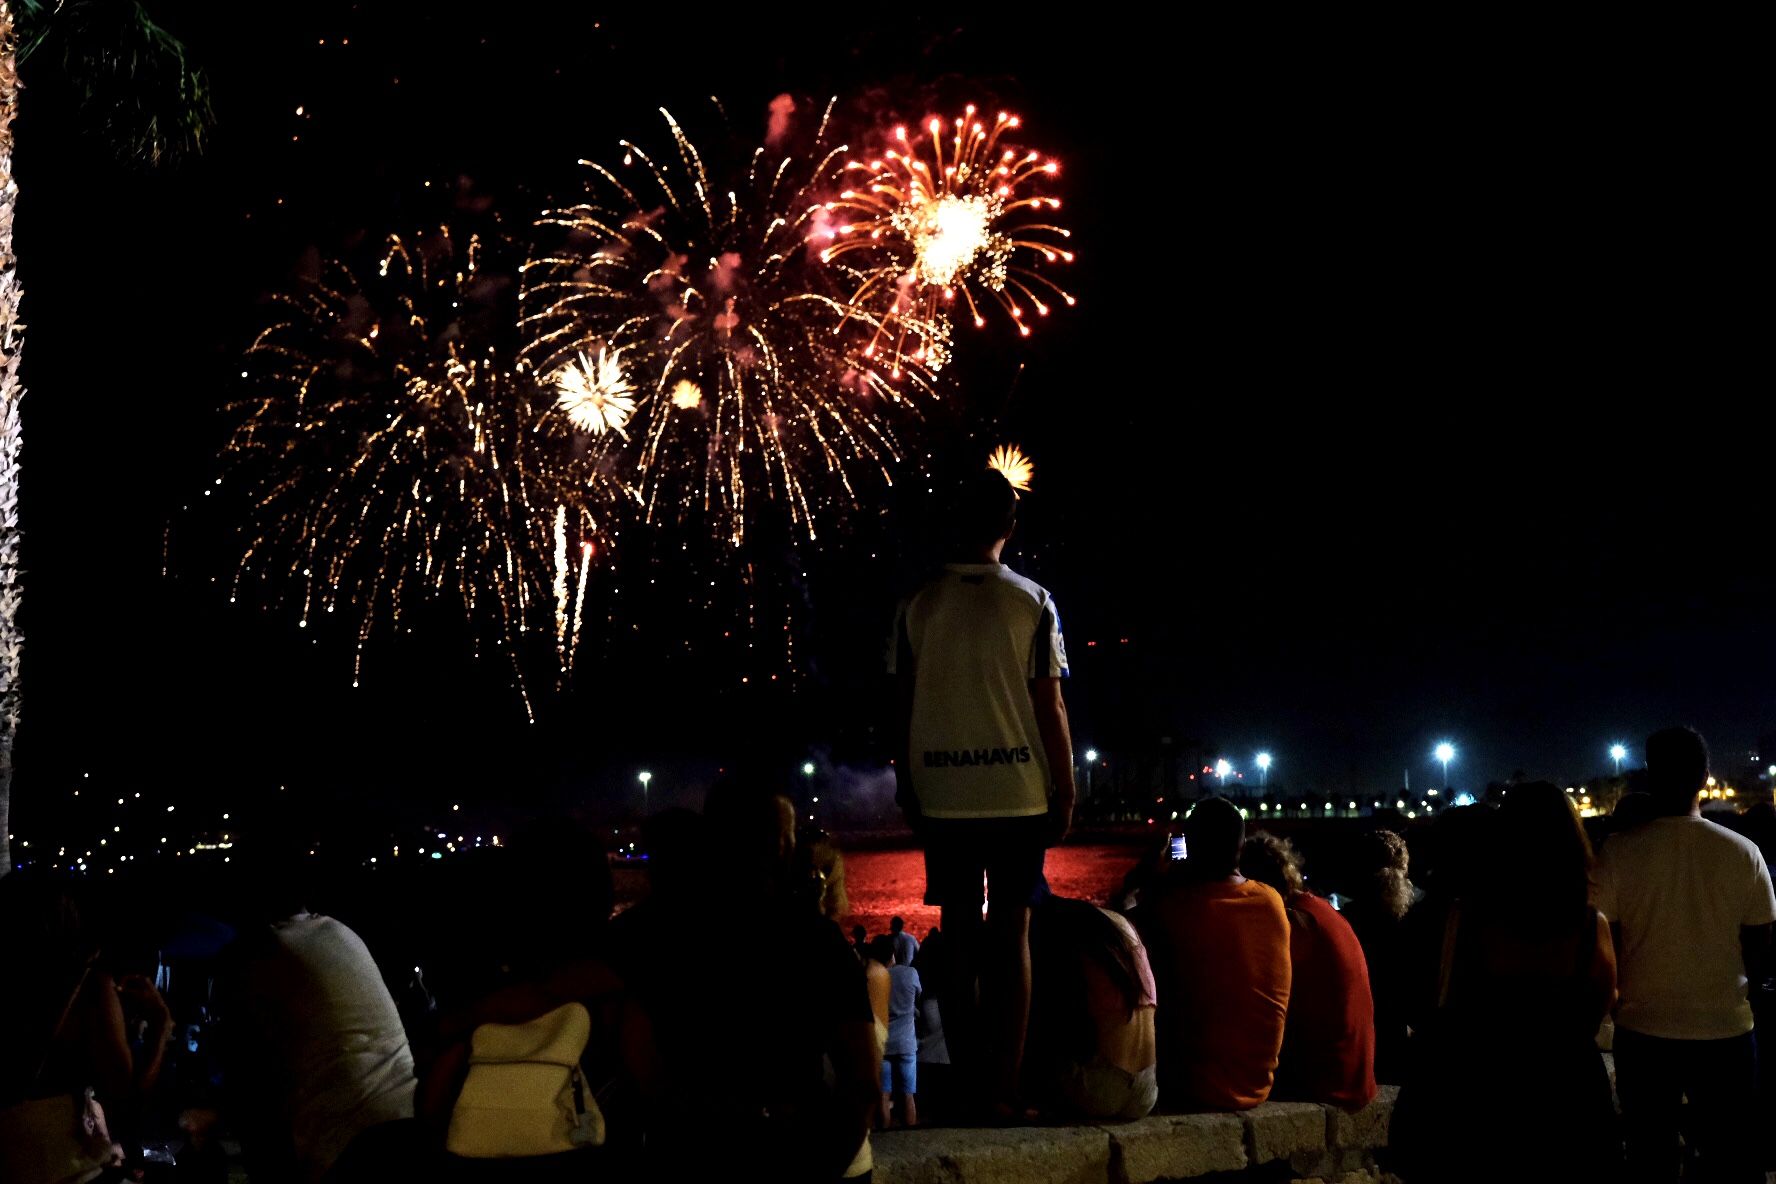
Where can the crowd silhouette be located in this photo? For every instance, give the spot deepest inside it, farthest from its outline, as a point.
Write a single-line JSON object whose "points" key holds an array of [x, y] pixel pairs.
{"points": [[542, 1037], [1214, 981]]}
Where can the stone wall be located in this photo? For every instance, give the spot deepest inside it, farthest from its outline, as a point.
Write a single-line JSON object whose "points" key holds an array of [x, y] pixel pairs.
{"points": [[1279, 1141]]}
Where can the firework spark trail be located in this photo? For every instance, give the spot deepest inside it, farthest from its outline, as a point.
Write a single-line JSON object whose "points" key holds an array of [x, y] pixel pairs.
{"points": [[747, 394], [573, 648], [561, 590], [925, 224], [390, 459]]}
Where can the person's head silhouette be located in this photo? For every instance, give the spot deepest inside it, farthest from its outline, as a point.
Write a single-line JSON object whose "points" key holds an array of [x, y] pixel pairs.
{"points": [[983, 514], [1677, 768], [1273, 860], [1213, 834]]}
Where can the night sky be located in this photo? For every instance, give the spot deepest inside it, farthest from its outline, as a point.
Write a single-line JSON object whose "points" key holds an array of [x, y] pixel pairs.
{"points": [[1412, 393]]}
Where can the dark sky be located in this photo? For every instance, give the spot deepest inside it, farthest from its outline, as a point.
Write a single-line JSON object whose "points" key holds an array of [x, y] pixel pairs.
{"points": [[1412, 393]]}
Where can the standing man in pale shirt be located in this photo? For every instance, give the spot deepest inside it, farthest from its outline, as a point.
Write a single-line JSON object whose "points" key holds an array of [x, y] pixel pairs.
{"points": [[986, 777], [906, 946], [1691, 907]]}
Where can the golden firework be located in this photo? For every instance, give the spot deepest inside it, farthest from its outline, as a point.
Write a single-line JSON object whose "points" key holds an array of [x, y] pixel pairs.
{"points": [[391, 460], [686, 395], [953, 211], [1009, 461], [698, 268]]}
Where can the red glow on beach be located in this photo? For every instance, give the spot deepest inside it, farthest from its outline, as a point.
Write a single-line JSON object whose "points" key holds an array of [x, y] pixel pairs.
{"points": [[884, 884]]}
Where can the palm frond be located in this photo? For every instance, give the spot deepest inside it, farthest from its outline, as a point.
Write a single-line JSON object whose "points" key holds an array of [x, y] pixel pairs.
{"points": [[132, 80]]}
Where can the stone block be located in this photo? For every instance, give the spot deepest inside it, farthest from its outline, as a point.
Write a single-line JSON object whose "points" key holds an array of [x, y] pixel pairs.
{"points": [[1367, 1128], [1019, 1155], [1310, 1165], [1280, 1130], [1331, 1164], [1179, 1146]]}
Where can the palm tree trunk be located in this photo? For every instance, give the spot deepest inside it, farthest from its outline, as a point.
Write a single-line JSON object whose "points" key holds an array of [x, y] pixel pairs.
{"points": [[12, 333]]}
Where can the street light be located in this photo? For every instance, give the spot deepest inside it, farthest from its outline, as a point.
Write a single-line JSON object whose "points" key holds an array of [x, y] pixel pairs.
{"points": [[807, 768], [1445, 753], [1091, 756], [1263, 768], [1091, 759], [1618, 754], [1222, 769], [644, 777]]}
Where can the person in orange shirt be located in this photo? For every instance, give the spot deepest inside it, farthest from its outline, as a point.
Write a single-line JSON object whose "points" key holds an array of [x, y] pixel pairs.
{"points": [[1220, 950], [1329, 1038]]}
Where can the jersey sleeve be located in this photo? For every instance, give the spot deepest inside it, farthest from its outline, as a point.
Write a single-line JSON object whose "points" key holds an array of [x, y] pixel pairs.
{"points": [[1760, 902], [1048, 656]]}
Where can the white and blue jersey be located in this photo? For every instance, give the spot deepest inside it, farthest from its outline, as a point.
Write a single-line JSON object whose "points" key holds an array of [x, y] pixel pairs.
{"points": [[971, 640]]}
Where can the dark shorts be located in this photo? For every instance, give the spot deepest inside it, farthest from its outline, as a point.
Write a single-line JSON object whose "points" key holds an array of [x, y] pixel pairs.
{"points": [[1007, 852]]}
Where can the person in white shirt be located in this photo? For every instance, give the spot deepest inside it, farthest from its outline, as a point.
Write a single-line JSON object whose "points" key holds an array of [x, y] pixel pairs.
{"points": [[986, 775], [1691, 907], [319, 1049]]}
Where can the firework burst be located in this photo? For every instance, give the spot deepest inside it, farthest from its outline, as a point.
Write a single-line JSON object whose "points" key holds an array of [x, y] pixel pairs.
{"points": [[953, 211], [390, 458], [596, 394], [686, 395], [1009, 461], [745, 388]]}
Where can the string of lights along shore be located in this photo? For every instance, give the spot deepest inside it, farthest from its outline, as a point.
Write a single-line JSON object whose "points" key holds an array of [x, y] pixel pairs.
{"points": [[708, 334], [109, 825], [1224, 775]]}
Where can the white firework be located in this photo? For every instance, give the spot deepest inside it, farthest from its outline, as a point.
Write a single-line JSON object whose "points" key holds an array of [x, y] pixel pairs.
{"points": [[595, 393]]}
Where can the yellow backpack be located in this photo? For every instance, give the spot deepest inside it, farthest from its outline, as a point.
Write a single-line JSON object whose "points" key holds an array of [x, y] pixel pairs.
{"points": [[525, 1093]]}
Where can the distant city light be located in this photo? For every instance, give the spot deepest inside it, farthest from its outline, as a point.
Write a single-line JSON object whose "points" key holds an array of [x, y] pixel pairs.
{"points": [[1222, 769], [1263, 762], [807, 768], [1091, 758], [1618, 753]]}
